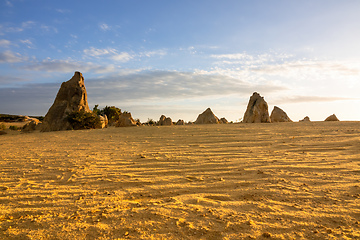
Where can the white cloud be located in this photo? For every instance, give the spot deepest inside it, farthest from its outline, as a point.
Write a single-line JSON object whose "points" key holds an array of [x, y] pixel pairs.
{"points": [[96, 52], [10, 57], [11, 28], [104, 27], [48, 28], [303, 99], [160, 52], [110, 53], [246, 59], [121, 57], [172, 85], [67, 66], [28, 43], [310, 67], [4, 43]]}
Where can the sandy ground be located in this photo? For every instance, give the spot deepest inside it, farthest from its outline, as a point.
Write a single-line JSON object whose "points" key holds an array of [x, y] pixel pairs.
{"points": [[235, 181]]}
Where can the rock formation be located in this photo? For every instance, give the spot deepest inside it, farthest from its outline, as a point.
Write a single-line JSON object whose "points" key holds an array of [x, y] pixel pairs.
{"points": [[278, 115], [306, 119], [33, 125], [207, 117], [332, 118], [125, 120], [223, 120], [104, 121], [164, 121], [180, 122], [257, 110], [71, 98]]}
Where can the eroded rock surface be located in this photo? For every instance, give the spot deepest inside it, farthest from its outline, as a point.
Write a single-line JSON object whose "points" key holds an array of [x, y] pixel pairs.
{"points": [[257, 110]]}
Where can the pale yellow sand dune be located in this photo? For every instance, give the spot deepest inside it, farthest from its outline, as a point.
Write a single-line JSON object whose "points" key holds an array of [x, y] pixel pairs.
{"points": [[236, 181]]}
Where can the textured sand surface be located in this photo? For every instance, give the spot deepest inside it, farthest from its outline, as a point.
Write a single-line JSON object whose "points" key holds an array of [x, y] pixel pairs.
{"points": [[235, 181]]}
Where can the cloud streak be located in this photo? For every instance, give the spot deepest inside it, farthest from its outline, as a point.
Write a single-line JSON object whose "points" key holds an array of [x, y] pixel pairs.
{"points": [[66, 66], [309, 66], [162, 85], [306, 99], [10, 57], [109, 53], [4, 43]]}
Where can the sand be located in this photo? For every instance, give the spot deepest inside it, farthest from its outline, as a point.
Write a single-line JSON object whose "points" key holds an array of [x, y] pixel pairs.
{"points": [[234, 181]]}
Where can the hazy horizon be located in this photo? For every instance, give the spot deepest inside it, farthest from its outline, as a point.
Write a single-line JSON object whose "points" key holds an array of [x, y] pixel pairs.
{"points": [[179, 58]]}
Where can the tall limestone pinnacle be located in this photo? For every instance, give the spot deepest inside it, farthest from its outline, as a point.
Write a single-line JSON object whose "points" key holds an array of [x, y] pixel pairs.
{"points": [[257, 110], [72, 97]]}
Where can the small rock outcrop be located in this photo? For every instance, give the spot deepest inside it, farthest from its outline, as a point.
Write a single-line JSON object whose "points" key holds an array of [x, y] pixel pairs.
{"points": [[332, 118], [164, 121], [33, 125], [104, 121], [257, 110], [223, 120], [306, 119], [207, 117], [125, 120], [180, 122], [278, 115], [71, 99]]}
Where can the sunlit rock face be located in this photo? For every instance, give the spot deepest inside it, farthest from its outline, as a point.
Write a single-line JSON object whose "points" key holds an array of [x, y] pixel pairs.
{"points": [[257, 110], [125, 120], [165, 121], [72, 97], [306, 119], [278, 115], [207, 117], [332, 118]]}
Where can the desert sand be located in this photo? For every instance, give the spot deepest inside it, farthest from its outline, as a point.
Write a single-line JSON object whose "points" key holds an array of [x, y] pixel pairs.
{"points": [[223, 181]]}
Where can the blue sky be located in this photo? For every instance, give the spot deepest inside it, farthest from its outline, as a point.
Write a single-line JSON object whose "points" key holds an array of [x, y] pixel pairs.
{"points": [[178, 58]]}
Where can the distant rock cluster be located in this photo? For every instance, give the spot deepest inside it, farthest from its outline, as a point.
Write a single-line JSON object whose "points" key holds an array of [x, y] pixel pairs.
{"points": [[70, 111]]}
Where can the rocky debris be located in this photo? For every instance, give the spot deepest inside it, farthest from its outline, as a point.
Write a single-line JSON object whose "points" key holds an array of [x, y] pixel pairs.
{"points": [[164, 121], [3, 132], [278, 115], [257, 110], [125, 120], [306, 119], [223, 120], [180, 122], [332, 118], [207, 117], [33, 125], [71, 99]]}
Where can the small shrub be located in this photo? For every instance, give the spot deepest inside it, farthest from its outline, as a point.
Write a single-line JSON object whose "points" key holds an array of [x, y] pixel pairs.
{"points": [[150, 121], [84, 120], [138, 122], [15, 128], [96, 110], [2, 126], [113, 113]]}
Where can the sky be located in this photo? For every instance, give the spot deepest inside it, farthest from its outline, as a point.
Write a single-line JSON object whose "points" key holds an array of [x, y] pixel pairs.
{"points": [[178, 58]]}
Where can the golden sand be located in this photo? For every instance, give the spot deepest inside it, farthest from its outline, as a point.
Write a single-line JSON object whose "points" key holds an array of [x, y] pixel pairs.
{"points": [[235, 181]]}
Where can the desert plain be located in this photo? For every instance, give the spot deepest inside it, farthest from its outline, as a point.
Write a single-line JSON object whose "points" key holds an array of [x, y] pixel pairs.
{"points": [[219, 181]]}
